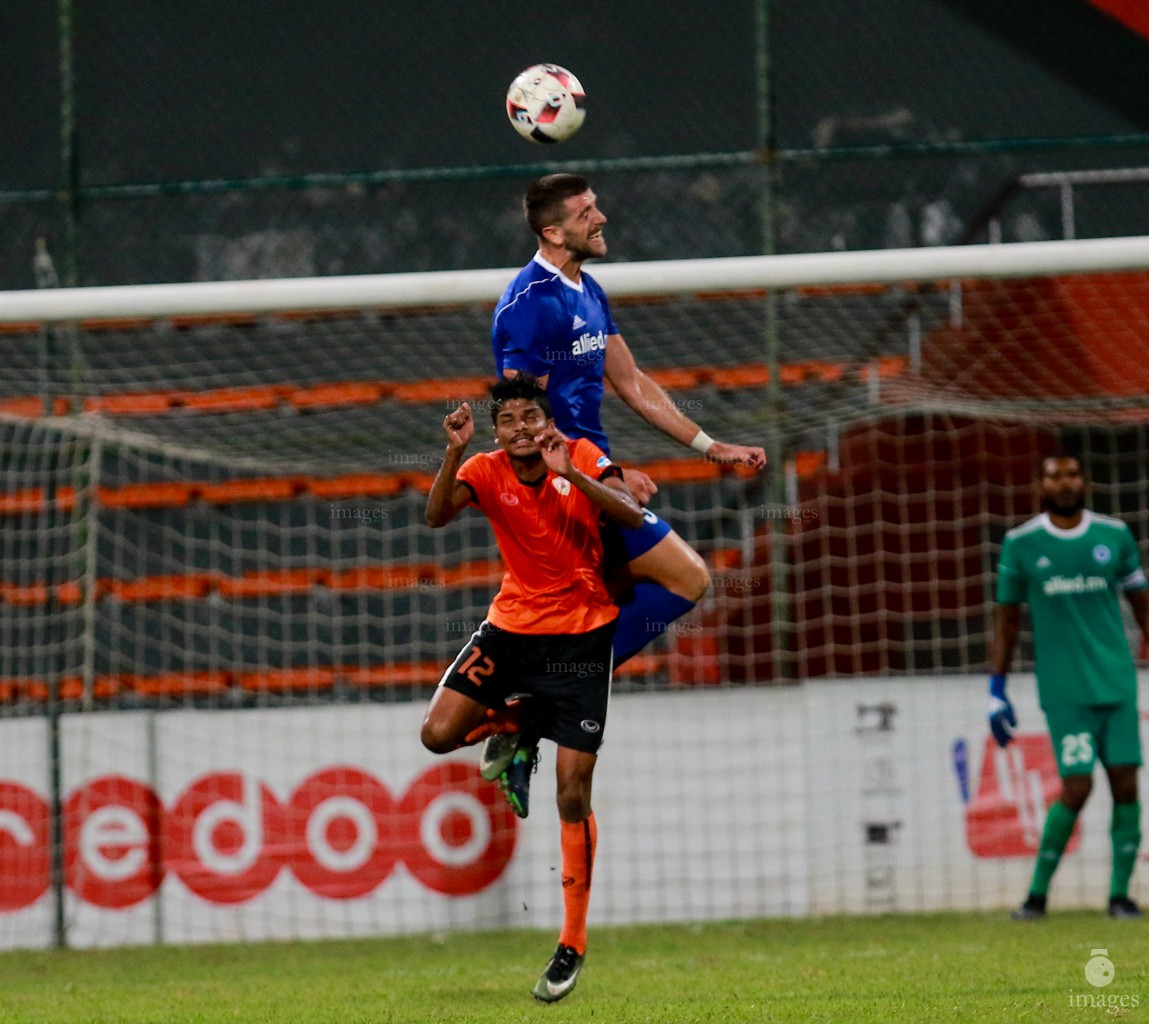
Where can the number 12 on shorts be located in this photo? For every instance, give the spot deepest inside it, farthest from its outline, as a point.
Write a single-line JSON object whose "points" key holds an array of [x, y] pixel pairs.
{"points": [[475, 672]]}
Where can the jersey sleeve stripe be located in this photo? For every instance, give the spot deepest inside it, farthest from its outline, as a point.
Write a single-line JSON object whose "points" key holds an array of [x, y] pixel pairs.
{"points": [[1134, 581]]}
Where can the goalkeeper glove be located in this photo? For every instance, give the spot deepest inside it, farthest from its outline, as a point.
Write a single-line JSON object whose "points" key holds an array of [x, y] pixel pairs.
{"points": [[1002, 720]]}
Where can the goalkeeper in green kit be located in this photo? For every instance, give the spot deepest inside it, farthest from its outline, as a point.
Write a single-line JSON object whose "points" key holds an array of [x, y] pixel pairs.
{"points": [[1069, 565]]}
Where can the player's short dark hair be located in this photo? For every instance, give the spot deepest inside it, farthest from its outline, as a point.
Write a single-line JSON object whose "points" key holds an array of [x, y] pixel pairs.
{"points": [[543, 203], [522, 385]]}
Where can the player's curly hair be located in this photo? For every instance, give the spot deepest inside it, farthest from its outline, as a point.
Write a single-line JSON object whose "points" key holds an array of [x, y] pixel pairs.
{"points": [[543, 203], [522, 385]]}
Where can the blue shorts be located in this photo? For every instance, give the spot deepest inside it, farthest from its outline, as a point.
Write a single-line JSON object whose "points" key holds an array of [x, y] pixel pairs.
{"points": [[621, 544]]}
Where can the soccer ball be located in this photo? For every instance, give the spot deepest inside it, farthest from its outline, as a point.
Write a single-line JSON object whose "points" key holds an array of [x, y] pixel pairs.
{"points": [[545, 103]]}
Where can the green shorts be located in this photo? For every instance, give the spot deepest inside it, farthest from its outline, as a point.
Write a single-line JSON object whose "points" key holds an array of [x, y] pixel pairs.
{"points": [[1082, 735]]}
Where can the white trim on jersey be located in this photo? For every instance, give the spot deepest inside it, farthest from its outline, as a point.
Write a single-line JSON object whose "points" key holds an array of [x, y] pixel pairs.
{"points": [[547, 265], [1027, 527], [1073, 532], [517, 296], [1134, 581]]}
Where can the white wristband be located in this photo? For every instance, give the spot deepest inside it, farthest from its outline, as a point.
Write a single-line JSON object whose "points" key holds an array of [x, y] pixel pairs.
{"points": [[702, 442]]}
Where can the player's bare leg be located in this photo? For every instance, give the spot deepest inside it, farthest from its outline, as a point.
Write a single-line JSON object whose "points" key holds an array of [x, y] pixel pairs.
{"points": [[450, 717], [675, 565]]}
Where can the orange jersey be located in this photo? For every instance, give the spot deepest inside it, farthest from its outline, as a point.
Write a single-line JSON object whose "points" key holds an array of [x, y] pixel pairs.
{"points": [[548, 535]]}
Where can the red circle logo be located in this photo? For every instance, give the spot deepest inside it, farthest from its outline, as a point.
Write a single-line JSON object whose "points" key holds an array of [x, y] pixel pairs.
{"points": [[23, 846], [458, 834], [111, 842], [341, 831]]}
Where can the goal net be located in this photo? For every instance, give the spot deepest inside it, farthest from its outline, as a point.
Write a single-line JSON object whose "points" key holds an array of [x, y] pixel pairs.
{"points": [[222, 613]]}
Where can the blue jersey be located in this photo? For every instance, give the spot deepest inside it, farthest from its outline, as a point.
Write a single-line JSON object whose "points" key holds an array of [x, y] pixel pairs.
{"points": [[548, 326]]}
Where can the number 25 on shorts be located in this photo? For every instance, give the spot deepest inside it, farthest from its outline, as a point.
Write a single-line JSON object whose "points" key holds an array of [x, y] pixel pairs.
{"points": [[1076, 748]]}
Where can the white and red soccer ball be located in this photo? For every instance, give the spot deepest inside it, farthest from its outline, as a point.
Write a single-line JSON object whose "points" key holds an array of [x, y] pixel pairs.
{"points": [[546, 103]]}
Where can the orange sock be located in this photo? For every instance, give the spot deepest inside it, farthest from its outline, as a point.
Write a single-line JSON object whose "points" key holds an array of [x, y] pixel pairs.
{"points": [[578, 843], [496, 720]]}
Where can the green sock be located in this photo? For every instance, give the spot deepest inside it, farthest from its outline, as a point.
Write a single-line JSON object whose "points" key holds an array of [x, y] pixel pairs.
{"points": [[1059, 822], [1125, 831]]}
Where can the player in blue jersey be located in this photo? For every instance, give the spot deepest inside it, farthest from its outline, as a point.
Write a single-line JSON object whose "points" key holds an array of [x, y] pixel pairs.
{"points": [[554, 322]]}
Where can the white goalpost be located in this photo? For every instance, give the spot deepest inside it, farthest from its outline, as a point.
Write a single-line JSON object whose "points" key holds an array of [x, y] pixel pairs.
{"points": [[222, 615], [665, 277]]}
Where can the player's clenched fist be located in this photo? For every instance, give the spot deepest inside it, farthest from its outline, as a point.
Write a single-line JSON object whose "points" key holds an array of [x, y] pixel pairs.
{"points": [[459, 426]]}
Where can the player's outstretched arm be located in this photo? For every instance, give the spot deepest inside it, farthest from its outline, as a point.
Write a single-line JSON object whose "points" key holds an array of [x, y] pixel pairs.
{"points": [[653, 404], [610, 495], [447, 496]]}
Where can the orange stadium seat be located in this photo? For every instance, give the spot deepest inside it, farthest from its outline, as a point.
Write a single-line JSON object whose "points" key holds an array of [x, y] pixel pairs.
{"points": [[726, 559], [270, 582], [27, 595], [144, 403], [230, 492], [181, 684], [366, 392], [232, 399], [679, 378], [806, 464], [72, 592], [72, 688], [419, 673], [385, 577], [682, 471], [152, 495], [30, 499], [33, 406], [891, 366], [286, 680], [160, 588], [449, 389], [361, 485], [750, 375], [418, 481]]}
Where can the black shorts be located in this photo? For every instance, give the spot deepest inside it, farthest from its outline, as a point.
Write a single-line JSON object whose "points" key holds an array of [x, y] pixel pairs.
{"points": [[567, 676]]}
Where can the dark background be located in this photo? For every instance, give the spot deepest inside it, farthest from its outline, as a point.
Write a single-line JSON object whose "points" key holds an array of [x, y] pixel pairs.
{"points": [[962, 94]]}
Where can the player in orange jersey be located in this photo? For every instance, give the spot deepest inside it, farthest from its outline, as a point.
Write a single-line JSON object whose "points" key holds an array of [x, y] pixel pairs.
{"points": [[548, 632]]}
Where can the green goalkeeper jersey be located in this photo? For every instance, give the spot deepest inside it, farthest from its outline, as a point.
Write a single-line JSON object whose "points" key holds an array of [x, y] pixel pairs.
{"points": [[1071, 580]]}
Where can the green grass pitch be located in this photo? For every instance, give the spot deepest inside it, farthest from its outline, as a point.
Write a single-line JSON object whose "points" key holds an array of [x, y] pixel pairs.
{"points": [[943, 967]]}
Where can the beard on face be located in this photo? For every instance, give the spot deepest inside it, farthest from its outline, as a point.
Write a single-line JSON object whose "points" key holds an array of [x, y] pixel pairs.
{"points": [[1069, 508]]}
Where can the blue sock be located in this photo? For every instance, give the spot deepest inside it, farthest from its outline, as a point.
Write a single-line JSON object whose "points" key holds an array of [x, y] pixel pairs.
{"points": [[644, 612]]}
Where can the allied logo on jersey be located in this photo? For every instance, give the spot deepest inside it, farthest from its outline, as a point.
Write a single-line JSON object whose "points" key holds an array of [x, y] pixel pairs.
{"points": [[509, 499], [603, 461], [1102, 554], [1056, 586], [1043, 562], [577, 322], [587, 343], [590, 725], [562, 485]]}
